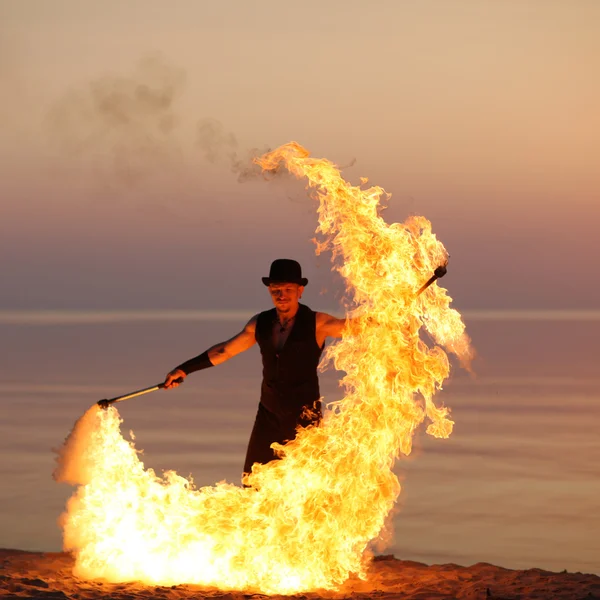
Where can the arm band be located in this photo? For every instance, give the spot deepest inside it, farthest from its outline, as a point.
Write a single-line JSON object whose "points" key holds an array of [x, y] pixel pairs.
{"points": [[196, 364]]}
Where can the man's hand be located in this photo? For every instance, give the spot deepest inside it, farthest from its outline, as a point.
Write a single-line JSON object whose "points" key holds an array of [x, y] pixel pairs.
{"points": [[174, 378]]}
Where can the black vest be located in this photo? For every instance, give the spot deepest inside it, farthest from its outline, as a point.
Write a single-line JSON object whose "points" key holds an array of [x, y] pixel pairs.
{"points": [[290, 379]]}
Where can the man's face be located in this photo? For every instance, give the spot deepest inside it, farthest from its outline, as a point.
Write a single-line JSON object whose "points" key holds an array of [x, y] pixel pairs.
{"points": [[286, 296]]}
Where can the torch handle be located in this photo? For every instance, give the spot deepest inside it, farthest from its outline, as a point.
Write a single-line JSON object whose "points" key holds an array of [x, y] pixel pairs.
{"points": [[107, 402], [439, 272]]}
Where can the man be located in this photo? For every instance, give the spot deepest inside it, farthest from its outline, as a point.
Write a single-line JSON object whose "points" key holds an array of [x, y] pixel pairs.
{"points": [[291, 338]]}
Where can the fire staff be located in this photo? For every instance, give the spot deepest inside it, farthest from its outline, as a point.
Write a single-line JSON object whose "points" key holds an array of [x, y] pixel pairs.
{"points": [[291, 338]]}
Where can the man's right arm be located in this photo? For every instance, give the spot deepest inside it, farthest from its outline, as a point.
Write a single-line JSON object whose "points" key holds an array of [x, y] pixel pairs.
{"points": [[215, 355]]}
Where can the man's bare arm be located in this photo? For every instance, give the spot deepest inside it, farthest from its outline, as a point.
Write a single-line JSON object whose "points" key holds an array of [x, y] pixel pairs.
{"points": [[215, 355], [328, 326], [241, 342]]}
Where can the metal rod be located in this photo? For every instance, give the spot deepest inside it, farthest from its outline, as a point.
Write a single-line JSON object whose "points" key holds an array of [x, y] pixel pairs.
{"points": [[107, 402], [437, 274]]}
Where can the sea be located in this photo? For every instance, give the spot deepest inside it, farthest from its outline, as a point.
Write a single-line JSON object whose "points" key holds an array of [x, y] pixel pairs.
{"points": [[517, 484]]}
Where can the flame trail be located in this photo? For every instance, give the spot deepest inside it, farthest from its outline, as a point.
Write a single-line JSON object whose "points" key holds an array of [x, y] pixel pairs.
{"points": [[309, 518]]}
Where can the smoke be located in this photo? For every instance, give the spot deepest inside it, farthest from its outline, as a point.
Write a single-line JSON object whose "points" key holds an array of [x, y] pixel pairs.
{"points": [[15, 100], [124, 125], [220, 145], [124, 129], [74, 461]]}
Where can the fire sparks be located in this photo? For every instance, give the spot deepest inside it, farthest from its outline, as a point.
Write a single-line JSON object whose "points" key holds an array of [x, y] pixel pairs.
{"points": [[307, 521]]}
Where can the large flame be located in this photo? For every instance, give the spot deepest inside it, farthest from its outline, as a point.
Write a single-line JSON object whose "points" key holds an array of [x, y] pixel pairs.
{"points": [[307, 520]]}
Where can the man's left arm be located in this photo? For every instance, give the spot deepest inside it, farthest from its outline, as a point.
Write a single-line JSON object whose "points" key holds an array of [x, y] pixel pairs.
{"points": [[328, 326]]}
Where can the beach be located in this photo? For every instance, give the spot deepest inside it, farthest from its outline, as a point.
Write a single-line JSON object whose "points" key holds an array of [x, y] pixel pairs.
{"points": [[38, 575]]}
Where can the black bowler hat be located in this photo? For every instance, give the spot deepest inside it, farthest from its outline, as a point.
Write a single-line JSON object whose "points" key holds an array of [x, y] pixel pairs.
{"points": [[285, 270]]}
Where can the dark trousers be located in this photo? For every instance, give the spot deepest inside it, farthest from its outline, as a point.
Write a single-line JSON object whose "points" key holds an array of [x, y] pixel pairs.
{"points": [[269, 428]]}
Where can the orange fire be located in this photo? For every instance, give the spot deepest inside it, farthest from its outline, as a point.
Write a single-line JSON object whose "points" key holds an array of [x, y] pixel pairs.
{"points": [[308, 519]]}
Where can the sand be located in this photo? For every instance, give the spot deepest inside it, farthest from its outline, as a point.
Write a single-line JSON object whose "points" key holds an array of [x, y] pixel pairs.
{"points": [[47, 576]]}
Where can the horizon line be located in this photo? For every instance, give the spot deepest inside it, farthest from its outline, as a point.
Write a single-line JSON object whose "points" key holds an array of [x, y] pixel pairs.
{"points": [[87, 316]]}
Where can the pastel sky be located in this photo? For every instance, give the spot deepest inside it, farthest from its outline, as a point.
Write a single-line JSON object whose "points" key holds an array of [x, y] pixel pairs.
{"points": [[482, 116]]}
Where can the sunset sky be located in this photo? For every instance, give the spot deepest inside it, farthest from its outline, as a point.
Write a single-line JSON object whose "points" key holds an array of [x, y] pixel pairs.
{"points": [[482, 116]]}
